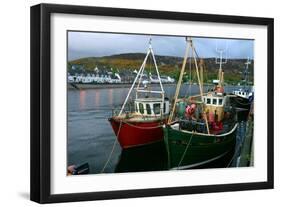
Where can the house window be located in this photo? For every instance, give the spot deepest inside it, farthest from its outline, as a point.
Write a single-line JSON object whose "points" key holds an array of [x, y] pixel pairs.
{"points": [[141, 108], [148, 109], [156, 108]]}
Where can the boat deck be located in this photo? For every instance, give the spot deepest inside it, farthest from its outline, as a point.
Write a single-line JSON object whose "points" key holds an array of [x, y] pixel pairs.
{"points": [[227, 128]]}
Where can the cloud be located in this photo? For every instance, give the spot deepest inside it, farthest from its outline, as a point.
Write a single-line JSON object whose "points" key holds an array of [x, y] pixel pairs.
{"points": [[92, 44]]}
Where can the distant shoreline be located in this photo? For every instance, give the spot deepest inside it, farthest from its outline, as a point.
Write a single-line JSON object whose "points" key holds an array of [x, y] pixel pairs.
{"points": [[83, 86], [79, 86]]}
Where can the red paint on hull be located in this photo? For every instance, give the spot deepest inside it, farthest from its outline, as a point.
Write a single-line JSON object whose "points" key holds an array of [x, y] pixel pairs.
{"points": [[134, 134]]}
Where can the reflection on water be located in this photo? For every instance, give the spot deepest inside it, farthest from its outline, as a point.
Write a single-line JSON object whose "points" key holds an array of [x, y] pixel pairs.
{"points": [[97, 98], [82, 99], [90, 136], [110, 98], [145, 158]]}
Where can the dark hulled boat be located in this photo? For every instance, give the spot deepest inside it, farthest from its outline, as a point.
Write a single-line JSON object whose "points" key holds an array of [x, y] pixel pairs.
{"points": [[244, 96], [242, 99]]}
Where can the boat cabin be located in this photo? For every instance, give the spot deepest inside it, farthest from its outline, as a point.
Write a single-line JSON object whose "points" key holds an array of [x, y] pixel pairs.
{"points": [[151, 106], [242, 93], [214, 106]]}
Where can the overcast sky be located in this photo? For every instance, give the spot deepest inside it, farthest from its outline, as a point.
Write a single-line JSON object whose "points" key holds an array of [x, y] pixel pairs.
{"points": [[91, 44]]}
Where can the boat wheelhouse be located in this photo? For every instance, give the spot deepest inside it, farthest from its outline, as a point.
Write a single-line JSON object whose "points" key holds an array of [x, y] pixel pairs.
{"points": [[243, 93], [214, 104], [151, 107]]}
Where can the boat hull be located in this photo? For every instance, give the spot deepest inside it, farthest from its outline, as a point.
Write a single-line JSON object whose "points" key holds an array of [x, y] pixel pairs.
{"points": [[240, 102], [243, 107], [133, 134], [192, 150]]}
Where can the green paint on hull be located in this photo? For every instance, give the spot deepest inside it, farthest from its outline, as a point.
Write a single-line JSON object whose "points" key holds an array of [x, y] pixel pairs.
{"points": [[187, 149]]}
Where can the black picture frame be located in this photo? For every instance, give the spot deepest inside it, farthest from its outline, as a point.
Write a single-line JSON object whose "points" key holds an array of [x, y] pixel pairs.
{"points": [[41, 98]]}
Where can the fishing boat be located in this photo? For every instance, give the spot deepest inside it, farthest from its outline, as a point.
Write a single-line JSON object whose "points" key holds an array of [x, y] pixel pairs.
{"points": [[244, 96], [142, 124], [205, 130]]}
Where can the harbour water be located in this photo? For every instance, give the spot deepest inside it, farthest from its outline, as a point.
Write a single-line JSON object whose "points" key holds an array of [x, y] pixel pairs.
{"points": [[90, 137]]}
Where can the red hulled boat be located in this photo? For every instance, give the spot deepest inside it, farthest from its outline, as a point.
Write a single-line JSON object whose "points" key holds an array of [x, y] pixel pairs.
{"points": [[143, 124], [138, 128]]}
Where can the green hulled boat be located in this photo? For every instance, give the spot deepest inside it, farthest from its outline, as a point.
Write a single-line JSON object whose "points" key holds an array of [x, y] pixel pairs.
{"points": [[205, 130], [190, 149]]}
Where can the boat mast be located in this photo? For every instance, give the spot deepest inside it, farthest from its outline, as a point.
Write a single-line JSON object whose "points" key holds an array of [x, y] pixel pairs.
{"points": [[220, 74], [189, 46], [179, 82], [200, 85], [220, 69], [140, 75], [201, 72], [158, 75], [247, 72]]}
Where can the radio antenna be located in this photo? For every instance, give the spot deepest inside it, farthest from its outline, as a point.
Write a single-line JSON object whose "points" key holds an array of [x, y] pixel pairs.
{"points": [[220, 60]]}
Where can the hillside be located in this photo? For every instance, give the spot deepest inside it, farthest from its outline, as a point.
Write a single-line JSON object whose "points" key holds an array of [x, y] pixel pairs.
{"points": [[168, 65]]}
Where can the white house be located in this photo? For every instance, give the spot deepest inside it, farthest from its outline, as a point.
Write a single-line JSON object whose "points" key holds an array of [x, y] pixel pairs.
{"points": [[94, 78]]}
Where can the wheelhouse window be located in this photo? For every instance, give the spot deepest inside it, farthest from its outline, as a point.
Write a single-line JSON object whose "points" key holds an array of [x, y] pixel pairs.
{"points": [[220, 101], [148, 109], [164, 107], [208, 101], [136, 108], [156, 108], [141, 109], [214, 101]]}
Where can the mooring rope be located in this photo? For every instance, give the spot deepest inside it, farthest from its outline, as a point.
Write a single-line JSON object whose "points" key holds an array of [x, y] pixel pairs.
{"points": [[235, 154], [112, 150], [183, 155], [115, 142]]}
